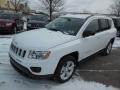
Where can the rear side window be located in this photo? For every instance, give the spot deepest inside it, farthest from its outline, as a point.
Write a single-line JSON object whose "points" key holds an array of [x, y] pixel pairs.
{"points": [[109, 24], [115, 22], [118, 23], [105, 24]]}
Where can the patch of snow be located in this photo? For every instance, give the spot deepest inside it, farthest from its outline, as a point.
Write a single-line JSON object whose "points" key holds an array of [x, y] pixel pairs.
{"points": [[14, 81], [6, 36], [116, 43], [82, 85], [5, 41]]}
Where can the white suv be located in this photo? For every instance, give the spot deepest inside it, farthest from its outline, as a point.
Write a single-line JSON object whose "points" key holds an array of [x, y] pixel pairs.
{"points": [[57, 49]]}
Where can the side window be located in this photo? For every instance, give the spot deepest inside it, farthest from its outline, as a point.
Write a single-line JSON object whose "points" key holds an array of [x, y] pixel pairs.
{"points": [[115, 22], [109, 24], [92, 28], [118, 23], [104, 24]]}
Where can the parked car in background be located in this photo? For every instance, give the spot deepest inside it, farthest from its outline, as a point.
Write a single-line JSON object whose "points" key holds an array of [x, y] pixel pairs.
{"points": [[36, 21], [10, 23], [116, 21], [57, 49]]}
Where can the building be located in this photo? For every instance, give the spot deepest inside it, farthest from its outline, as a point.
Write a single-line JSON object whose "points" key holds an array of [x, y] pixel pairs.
{"points": [[5, 5], [2, 3]]}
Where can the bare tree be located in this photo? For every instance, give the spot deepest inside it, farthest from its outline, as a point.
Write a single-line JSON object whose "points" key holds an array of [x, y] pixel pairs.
{"points": [[8, 5], [115, 8], [16, 4], [52, 6]]}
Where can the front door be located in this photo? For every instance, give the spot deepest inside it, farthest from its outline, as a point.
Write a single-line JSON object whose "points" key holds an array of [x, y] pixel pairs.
{"points": [[90, 41]]}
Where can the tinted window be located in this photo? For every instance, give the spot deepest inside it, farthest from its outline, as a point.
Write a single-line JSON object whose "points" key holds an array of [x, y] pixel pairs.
{"points": [[115, 22], [93, 26], [118, 23], [104, 24], [39, 17], [109, 23], [66, 25]]}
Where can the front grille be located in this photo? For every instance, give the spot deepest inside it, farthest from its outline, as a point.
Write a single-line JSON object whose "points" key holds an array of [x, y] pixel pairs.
{"points": [[2, 25], [37, 25], [18, 51]]}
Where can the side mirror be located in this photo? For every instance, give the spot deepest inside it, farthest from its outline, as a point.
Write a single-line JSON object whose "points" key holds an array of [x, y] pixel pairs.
{"points": [[88, 33]]}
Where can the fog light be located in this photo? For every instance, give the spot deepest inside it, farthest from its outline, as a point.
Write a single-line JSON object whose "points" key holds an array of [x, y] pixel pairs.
{"points": [[36, 69]]}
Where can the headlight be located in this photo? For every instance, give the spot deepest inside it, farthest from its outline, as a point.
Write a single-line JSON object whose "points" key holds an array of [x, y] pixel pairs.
{"points": [[39, 54], [8, 24]]}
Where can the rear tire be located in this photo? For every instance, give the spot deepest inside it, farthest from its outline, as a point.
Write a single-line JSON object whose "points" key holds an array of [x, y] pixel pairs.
{"points": [[108, 49], [65, 69]]}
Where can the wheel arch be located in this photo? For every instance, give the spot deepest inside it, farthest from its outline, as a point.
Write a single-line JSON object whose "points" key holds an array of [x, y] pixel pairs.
{"points": [[112, 40], [74, 54]]}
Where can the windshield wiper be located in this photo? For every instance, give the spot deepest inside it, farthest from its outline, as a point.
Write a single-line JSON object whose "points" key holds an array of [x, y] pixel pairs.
{"points": [[54, 29]]}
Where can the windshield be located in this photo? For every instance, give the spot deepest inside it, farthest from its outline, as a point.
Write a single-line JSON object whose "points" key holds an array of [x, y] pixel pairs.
{"points": [[9, 16], [38, 17], [66, 25]]}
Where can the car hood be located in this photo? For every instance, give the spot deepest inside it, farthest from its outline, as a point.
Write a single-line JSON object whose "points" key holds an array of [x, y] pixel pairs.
{"points": [[6, 21], [41, 39]]}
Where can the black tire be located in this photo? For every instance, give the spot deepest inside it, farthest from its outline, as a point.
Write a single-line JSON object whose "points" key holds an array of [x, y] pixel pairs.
{"points": [[59, 71], [14, 30], [118, 34], [108, 49]]}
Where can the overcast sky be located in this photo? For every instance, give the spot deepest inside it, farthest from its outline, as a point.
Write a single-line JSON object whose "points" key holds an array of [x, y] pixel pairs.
{"points": [[99, 6]]}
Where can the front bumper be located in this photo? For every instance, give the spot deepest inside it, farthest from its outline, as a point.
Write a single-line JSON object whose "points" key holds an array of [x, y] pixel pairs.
{"points": [[5, 30], [47, 66], [9, 29], [21, 69]]}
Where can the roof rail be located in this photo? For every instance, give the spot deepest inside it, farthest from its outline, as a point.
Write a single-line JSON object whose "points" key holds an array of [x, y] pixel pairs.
{"points": [[89, 16], [90, 13]]}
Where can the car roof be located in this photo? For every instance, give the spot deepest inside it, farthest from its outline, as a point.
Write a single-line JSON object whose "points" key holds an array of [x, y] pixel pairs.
{"points": [[85, 16], [38, 14], [115, 17]]}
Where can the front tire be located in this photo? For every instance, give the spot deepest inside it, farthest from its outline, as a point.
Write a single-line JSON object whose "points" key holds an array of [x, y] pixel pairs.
{"points": [[14, 30], [65, 69]]}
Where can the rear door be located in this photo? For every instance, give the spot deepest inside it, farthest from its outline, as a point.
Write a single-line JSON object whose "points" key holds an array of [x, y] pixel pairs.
{"points": [[104, 32]]}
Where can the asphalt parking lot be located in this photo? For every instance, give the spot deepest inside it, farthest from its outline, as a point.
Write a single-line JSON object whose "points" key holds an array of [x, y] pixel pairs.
{"points": [[101, 69]]}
